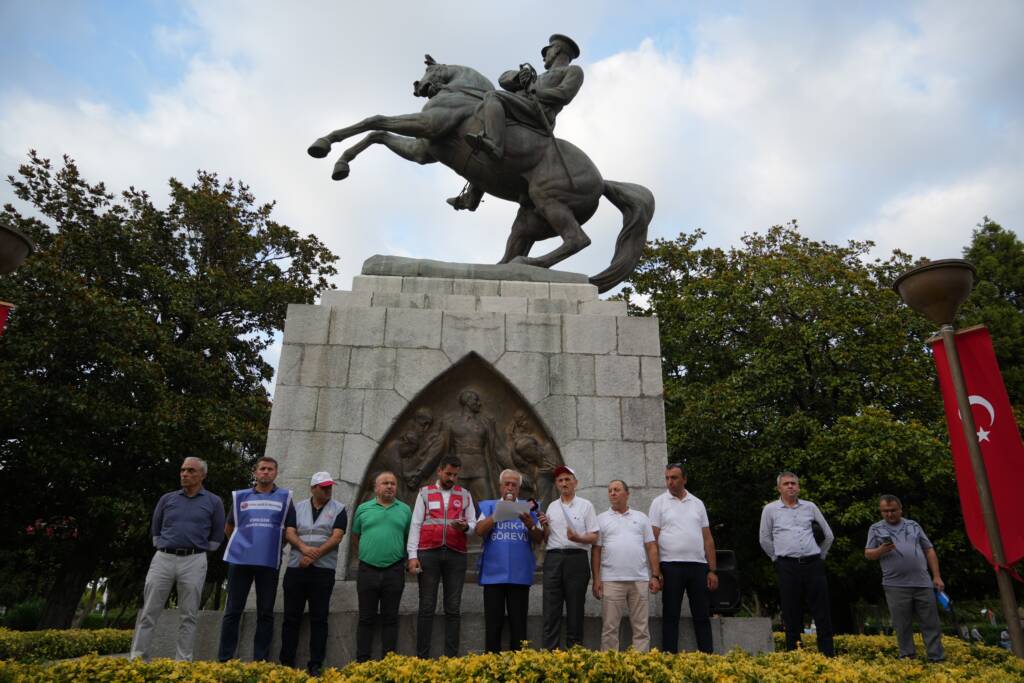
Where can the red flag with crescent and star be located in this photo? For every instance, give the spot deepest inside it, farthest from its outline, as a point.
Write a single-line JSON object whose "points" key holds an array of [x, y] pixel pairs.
{"points": [[5, 311], [998, 436]]}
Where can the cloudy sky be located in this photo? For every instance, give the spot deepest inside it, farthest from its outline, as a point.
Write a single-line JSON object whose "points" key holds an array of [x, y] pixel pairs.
{"points": [[895, 122]]}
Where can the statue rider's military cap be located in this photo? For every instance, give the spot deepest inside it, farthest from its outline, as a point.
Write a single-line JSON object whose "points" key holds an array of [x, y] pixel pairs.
{"points": [[574, 49]]}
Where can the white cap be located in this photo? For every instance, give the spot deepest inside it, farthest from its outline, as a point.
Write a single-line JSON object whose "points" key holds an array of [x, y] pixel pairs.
{"points": [[322, 479]]}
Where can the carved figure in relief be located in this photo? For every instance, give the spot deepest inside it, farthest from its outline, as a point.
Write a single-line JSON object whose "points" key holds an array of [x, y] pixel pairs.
{"points": [[472, 436], [405, 455], [530, 457]]}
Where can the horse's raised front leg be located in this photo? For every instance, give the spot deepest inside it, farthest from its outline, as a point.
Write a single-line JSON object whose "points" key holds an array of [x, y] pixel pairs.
{"points": [[412, 149], [424, 124]]}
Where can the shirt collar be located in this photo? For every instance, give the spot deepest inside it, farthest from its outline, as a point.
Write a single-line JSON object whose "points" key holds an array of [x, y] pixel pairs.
{"points": [[682, 499], [200, 492], [782, 503]]}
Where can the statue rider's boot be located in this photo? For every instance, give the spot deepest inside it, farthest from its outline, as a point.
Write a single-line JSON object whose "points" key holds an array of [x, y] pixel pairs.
{"points": [[480, 142], [468, 199]]}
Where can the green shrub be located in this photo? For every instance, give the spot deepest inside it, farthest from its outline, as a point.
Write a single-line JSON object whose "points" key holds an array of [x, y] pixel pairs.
{"points": [[25, 615], [40, 646]]}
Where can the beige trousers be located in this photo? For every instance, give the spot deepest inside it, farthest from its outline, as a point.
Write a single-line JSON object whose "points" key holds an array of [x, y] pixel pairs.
{"points": [[625, 598]]}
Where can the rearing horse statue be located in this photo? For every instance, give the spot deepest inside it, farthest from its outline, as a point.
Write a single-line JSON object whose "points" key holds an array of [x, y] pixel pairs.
{"points": [[556, 185]]}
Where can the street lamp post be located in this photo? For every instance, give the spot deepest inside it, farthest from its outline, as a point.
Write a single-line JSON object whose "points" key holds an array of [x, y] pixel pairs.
{"points": [[14, 247], [936, 290]]}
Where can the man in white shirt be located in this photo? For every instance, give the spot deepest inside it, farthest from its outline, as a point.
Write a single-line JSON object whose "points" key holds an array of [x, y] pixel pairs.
{"points": [[442, 518], [570, 528], [625, 567], [687, 553]]}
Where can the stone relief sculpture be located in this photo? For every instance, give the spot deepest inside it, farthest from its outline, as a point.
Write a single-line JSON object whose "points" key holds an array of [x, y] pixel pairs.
{"points": [[471, 435], [484, 420], [530, 455], [502, 142]]}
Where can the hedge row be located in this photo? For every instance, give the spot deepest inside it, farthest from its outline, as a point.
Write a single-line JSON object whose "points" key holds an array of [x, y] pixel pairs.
{"points": [[533, 666], [872, 647], [39, 646]]}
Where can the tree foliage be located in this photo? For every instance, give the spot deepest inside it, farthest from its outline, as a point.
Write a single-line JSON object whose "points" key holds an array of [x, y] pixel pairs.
{"points": [[791, 354], [998, 301], [136, 341]]}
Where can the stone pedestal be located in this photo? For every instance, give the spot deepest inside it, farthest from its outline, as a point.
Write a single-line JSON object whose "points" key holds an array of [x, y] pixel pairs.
{"points": [[590, 373]]}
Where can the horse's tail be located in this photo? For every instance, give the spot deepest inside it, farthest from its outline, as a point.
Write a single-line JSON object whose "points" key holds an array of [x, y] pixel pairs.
{"points": [[637, 206]]}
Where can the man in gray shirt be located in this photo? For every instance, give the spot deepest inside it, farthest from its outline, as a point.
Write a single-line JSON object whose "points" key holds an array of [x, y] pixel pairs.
{"points": [[787, 536], [187, 523], [905, 553]]}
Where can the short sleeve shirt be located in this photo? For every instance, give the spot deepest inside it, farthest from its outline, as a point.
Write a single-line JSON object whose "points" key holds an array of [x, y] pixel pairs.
{"points": [[622, 537], [905, 566], [382, 532], [579, 513], [681, 522]]}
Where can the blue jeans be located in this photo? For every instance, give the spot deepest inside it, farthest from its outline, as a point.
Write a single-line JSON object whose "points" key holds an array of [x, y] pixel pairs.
{"points": [[240, 578]]}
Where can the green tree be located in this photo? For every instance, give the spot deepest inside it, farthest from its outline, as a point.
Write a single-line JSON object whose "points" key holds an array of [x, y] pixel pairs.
{"points": [[792, 354], [136, 341], [998, 301]]}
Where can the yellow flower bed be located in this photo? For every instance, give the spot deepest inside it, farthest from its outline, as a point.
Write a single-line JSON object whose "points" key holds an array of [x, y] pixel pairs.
{"points": [[867, 662], [39, 646]]}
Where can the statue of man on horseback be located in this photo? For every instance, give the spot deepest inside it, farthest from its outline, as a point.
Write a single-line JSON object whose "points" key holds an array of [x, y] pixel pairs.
{"points": [[526, 99], [502, 143]]}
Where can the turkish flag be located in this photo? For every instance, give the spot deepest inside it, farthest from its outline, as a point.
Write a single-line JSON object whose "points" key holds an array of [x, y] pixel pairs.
{"points": [[998, 436], [5, 312]]}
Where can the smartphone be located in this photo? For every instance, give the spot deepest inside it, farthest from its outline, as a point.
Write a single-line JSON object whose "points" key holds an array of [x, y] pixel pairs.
{"points": [[886, 540]]}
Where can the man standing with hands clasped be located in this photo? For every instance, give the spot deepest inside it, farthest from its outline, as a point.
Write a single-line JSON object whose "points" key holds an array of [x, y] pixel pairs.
{"points": [[625, 566], [905, 553], [315, 534], [441, 516], [787, 536], [570, 527], [687, 553]]}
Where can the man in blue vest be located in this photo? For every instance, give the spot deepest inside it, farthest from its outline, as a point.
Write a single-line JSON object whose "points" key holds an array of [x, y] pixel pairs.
{"points": [[506, 565], [187, 524], [320, 524], [441, 517], [255, 531]]}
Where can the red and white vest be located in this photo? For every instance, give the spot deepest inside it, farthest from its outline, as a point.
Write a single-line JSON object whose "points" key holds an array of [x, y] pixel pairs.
{"points": [[436, 531]]}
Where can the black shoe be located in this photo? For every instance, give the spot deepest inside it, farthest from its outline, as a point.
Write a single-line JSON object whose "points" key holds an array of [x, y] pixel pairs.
{"points": [[314, 671]]}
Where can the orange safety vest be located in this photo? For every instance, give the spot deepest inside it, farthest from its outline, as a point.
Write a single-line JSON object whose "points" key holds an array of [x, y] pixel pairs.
{"points": [[436, 531]]}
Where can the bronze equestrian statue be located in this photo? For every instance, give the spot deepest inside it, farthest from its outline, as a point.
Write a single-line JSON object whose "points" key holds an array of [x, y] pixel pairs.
{"points": [[501, 142]]}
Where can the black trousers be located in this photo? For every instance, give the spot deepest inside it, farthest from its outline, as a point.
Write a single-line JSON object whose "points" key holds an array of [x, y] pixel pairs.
{"points": [[301, 585], [500, 599], [380, 591], [805, 578], [566, 576], [241, 577], [690, 578], [440, 566]]}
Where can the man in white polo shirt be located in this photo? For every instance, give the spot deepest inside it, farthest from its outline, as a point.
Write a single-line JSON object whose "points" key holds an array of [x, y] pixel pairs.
{"points": [[687, 553], [570, 528], [625, 567]]}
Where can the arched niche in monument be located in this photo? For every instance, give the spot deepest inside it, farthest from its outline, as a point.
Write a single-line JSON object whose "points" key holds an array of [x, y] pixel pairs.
{"points": [[470, 410]]}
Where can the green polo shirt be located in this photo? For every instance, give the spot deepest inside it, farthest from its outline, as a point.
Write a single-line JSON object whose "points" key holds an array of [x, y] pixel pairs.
{"points": [[382, 532]]}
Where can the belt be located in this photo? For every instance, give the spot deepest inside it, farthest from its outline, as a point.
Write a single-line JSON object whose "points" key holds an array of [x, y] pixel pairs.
{"points": [[181, 552], [567, 551], [806, 559]]}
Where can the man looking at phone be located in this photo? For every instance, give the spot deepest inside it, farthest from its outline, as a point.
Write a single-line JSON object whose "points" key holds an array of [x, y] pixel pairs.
{"points": [[905, 553]]}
